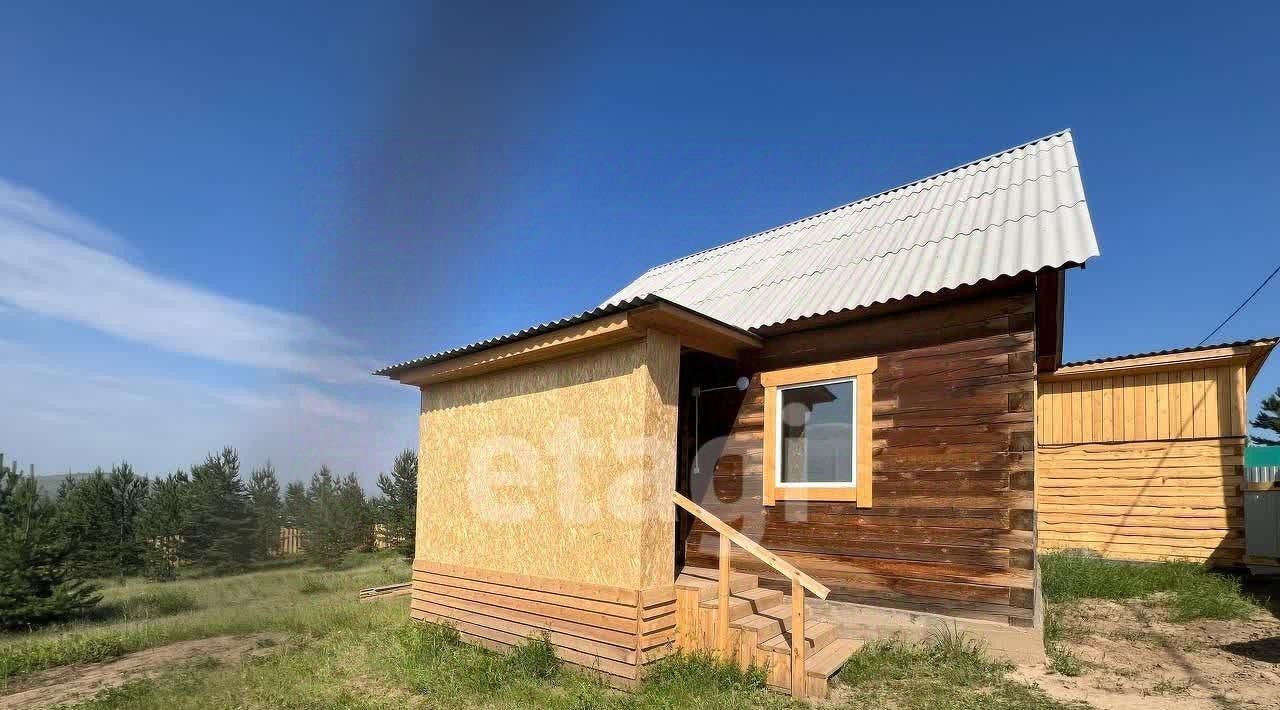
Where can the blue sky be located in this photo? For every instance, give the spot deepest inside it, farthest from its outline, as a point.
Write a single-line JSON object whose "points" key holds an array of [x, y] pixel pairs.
{"points": [[214, 221]]}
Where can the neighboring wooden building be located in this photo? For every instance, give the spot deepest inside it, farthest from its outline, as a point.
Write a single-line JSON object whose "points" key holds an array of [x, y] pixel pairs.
{"points": [[839, 408], [1140, 457]]}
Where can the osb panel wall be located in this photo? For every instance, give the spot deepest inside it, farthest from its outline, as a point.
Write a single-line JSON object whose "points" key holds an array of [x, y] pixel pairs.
{"points": [[1191, 403], [559, 469], [951, 527], [610, 630], [1144, 500]]}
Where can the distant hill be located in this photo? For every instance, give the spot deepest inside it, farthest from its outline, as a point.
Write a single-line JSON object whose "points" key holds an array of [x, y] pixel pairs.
{"points": [[48, 485]]}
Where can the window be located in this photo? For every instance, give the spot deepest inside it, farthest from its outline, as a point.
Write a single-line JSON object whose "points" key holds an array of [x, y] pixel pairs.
{"points": [[818, 432]]}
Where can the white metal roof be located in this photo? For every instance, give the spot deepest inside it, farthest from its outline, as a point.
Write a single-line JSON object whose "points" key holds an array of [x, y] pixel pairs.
{"points": [[1019, 210]]}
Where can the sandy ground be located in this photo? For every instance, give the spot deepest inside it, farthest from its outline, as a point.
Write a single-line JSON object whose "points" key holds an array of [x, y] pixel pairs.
{"points": [[69, 684], [1137, 659]]}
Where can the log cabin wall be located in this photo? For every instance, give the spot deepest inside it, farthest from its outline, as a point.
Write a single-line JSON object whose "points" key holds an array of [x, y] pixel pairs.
{"points": [[1145, 466], [951, 526]]}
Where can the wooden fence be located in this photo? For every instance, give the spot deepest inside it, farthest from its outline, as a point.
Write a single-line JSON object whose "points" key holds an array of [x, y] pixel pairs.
{"points": [[291, 540]]}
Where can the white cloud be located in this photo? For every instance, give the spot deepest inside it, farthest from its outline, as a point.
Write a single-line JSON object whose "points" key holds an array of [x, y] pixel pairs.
{"points": [[63, 418], [59, 265]]}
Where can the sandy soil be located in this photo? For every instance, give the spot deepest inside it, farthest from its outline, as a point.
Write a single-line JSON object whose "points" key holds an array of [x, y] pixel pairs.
{"points": [[1137, 659], [69, 684]]}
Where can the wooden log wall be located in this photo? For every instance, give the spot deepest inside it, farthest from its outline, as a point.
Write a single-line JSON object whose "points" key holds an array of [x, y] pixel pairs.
{"points": [[951, 528], [613, 631], [1145, 466], [1145, 500]]}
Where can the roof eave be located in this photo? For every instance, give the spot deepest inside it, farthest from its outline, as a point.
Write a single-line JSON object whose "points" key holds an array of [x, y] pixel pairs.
{"points": [[586, 331]]}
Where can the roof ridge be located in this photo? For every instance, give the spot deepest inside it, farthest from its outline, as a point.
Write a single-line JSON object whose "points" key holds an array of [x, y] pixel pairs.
{"points": [[971, 163]]}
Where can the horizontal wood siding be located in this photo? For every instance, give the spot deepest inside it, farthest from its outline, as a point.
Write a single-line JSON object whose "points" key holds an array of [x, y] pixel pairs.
{"points": [[609, 630], [1144, 500], [951, 526], [1174, 404]]}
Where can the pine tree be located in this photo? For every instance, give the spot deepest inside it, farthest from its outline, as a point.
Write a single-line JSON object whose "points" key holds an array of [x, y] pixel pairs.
{"points": [[295, 504], [85, 512], [218, 532], [102, 512], [324, 530], [37, 585], [357, 516], [160, 523], [1269, 419], [264, 499], [398, 509]]}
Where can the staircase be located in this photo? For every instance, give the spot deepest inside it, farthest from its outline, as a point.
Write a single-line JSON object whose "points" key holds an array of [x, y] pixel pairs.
{"points": [[759, 630]]}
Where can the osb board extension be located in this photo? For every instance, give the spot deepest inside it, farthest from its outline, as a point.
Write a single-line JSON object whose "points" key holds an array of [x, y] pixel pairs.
{"points": [[561, 468]]}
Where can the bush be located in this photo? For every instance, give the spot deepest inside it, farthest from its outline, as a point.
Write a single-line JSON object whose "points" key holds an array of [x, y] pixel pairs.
{"points": [[1193, 592]]}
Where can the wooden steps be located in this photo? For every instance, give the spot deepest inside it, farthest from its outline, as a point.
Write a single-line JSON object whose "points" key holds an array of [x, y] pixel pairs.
{"points": [[759, 629]]}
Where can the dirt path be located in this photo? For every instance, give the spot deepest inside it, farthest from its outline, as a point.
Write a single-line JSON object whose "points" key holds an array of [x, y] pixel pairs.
{"points": [[69, 684], [1136, 659]]}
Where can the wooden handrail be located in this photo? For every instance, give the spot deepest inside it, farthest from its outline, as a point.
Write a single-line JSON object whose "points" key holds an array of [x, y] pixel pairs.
{"points": [[783, 567], [799, 582]]}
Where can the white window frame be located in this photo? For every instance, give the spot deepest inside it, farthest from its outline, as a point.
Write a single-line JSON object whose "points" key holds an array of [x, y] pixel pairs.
{"points": [[853, 436]]}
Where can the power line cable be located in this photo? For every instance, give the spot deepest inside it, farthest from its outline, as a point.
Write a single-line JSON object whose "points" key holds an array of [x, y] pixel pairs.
{"points": [[1240, 307]]}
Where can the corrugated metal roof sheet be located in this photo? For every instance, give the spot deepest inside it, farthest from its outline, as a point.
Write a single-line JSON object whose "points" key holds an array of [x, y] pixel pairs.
{"points": [[531, 331], [1019, 210], [1174, 351]]}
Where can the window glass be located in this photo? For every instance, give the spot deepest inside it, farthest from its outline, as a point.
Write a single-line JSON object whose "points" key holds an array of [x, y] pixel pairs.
{"points": [[817, 433]]}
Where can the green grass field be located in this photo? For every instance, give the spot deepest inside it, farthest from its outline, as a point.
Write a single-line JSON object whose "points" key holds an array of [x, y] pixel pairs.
{"points": [[336, 652]]}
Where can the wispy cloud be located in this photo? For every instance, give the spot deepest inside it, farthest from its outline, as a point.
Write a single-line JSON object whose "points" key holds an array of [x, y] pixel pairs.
{"points": [[54, 412], [58, 264]]}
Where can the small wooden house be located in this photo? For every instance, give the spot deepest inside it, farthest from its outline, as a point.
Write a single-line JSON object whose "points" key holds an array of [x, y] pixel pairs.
{"points": [[1140, 457], [770, 448]]}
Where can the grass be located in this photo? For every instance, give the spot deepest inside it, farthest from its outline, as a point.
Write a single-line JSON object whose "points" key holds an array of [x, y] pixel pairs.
{"points": [[1190, 591], [138, 614], [950, 672], [334, 651]]}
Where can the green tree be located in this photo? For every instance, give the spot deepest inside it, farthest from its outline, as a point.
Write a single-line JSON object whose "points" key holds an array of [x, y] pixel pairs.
{"points": [[399, 504], [1269, 419], [37, 585], [295, 504], [218, 531], [324, 530], [160, 524], [264, 500], [356, 514], [102, 512]]}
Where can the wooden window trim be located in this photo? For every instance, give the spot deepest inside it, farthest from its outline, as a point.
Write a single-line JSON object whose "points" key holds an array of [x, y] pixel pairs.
{"points": [[860, 369]]}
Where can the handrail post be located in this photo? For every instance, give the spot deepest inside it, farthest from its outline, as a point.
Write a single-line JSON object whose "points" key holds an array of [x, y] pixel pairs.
{"points": [[798, 676], [722, 617]]}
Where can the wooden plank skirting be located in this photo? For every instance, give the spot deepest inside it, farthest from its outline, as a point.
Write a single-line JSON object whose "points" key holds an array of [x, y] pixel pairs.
{"points": [[1148, 500], [613, 631]]}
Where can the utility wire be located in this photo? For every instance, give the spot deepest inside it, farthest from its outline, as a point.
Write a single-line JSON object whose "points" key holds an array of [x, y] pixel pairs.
{"points": [[1240, 307]]}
